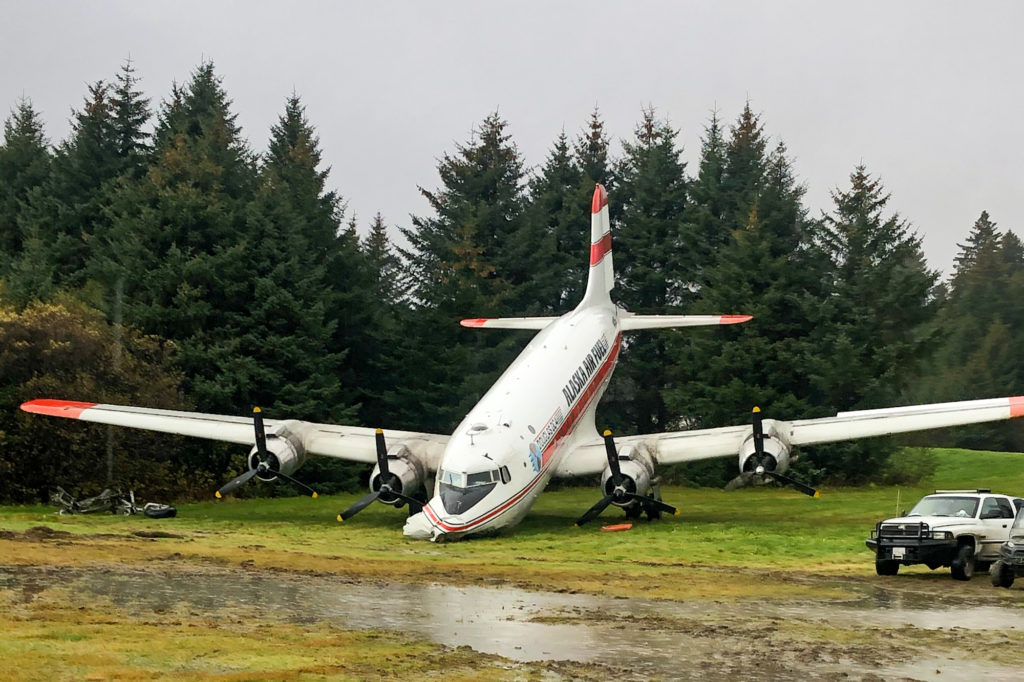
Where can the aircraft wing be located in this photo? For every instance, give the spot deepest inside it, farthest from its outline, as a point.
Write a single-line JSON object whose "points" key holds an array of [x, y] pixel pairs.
{"points": [[353, 443], [689, 446]]}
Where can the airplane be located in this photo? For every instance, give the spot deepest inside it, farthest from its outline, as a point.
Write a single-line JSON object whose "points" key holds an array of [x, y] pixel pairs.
{"points": [[536, 422]]}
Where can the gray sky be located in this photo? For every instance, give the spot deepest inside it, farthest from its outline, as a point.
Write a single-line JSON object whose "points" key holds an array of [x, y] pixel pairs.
{"points": [[926, 94]]}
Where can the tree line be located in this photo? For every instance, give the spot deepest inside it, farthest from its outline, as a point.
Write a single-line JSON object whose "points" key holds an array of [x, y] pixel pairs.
{"points": [[153, 258]]}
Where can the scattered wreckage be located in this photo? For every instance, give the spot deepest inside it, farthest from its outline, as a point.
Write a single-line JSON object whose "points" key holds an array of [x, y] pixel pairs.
{"points": [[110, 500]]}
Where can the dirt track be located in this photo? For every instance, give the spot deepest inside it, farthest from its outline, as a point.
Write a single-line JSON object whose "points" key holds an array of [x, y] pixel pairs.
{"points": [[913, 626]]}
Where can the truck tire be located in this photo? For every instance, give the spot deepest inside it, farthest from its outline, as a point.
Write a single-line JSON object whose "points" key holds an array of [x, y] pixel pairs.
{"points": [[886, 567], [1001, 574], [962, 566]]}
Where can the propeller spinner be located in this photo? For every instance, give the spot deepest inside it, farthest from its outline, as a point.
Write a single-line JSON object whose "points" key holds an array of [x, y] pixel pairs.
{"points": [[763, 460], [624, 488], [390, 485], [263, 467]]}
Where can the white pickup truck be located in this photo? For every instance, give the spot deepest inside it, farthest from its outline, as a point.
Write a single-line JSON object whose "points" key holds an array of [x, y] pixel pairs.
{"points": [[962, 529]]}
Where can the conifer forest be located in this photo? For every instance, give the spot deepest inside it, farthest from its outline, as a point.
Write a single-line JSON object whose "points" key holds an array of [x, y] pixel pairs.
{"points": [[153, 258]]}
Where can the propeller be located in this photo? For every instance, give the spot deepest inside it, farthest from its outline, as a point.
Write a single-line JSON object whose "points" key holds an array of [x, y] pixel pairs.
{"points": [[763, 460], [388, 484], [263, 467], [620, 492]]}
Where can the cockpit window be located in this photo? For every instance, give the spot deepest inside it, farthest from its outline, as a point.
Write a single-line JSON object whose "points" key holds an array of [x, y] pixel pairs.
{"points": [[459, 480], [480, 478], [453, 478]]}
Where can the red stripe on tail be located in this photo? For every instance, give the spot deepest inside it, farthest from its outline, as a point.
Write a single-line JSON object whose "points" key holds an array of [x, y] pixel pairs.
{"points": [[598, 250], [600, 199], [57, 408]]}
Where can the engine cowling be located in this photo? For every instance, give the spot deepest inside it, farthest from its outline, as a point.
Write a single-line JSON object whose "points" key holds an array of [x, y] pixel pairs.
{"points": [[775, 449], [407, 475], [285, 452], [637, 469]]}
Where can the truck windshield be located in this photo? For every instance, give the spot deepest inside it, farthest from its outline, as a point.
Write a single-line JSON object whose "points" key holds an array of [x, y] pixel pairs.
{"points": [[962, 507]]}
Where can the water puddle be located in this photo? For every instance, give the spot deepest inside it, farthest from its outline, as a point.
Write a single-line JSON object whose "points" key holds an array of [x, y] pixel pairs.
{"points": [[652, 639]]}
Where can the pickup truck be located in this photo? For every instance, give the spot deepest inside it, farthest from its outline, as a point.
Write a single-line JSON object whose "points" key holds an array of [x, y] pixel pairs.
{"points": [[962, 529]]}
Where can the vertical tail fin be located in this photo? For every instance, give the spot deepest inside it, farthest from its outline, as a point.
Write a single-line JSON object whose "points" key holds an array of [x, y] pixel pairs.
{"points": [[602, 275]]}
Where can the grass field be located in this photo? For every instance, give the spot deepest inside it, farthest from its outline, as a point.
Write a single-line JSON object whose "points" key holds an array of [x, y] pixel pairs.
{"points": [[723, 546], [775, 529]]}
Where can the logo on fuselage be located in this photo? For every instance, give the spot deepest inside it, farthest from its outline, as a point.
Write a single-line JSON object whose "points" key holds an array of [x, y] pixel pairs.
{"points": [[581, 376]]}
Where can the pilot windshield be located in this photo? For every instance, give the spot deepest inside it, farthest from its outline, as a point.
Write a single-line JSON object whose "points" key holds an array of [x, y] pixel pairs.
{"points": [[461, 491]]}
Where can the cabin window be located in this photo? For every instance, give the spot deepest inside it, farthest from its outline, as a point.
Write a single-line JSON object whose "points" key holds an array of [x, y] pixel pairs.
{"points": [[506, 477]]}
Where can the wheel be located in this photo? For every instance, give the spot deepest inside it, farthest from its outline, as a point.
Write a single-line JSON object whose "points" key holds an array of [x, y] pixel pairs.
{"points": [[962, 567], [1001, 574], [886, 567]]}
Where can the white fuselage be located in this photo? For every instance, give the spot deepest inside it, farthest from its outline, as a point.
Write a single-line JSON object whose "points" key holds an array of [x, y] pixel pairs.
{"points": [[502, 455]]}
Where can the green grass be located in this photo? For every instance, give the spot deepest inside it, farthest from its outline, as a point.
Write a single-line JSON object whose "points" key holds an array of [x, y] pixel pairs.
{"points": [[764, 528]]}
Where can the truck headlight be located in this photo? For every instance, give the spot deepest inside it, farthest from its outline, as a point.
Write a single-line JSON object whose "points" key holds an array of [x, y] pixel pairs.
{"points": [[1009, 544], [941, 535]]}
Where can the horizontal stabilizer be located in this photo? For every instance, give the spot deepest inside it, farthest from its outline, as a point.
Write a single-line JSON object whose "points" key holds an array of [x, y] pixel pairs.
{"points": [[509, 322], [630, 322]]}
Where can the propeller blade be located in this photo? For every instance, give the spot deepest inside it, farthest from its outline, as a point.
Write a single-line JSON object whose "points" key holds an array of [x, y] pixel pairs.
{"points": [[261, 435], [758, 433], [802, 487], [402, 496], [595, 510], [744, 479], [382, 455], [649, 502], [359, 506], [294, 482], [234, 483], [613, 458]]}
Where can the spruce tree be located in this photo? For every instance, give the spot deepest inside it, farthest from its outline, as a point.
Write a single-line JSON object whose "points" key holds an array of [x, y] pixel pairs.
{"points": [[655, 267], [872, 336], [24, 166], [461, 265], [557, 235]]}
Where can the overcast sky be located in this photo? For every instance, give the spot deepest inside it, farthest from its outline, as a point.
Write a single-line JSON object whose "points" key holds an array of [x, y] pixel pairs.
{"points": [[926, 94]]}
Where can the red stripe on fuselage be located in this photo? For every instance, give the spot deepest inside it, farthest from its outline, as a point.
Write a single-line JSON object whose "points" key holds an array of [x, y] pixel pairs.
{"points": [[583, 401], [598, 250]]}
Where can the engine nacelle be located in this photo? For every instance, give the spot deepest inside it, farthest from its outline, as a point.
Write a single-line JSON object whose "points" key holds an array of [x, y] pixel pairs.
{"points": [[407, 475], [776, 448], [637, 470], [285, 451]]}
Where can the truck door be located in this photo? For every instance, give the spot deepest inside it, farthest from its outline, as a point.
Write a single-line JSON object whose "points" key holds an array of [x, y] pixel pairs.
{"points": [[996, 516]]}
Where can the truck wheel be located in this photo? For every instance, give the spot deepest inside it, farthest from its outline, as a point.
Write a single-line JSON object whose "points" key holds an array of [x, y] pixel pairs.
{"points": [[886, 567], [962, 566], [1001, 574]]}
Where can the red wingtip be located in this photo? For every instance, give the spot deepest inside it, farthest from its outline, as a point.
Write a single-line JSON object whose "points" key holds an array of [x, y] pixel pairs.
{"points": [[474, 322], [57, 408], [1017, 406], [735, 319], [600, 199]]}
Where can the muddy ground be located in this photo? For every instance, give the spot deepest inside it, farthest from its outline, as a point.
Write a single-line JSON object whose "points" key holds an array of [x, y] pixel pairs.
{"points": [[919, 625]]}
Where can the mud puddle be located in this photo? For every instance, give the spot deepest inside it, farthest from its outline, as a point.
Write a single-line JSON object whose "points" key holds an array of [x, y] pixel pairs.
{"points": [[896, 632]]}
